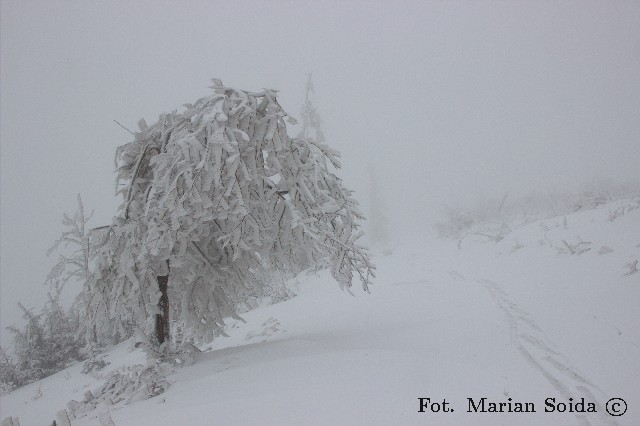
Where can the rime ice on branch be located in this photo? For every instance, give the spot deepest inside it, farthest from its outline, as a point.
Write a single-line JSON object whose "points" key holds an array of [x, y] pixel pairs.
{"points": [[212, 198]]}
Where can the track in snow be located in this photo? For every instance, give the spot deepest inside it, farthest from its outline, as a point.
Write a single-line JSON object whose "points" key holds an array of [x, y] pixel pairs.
{"points": [[536, 349]]}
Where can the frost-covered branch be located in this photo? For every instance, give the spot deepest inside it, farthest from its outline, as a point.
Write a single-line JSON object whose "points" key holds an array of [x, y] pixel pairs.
{"points": [[222, 193]]}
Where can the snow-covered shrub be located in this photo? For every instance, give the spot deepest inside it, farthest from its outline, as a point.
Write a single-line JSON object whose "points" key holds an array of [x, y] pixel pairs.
{"points": [[30, 348], [48, 343], [62, 337], [457, 223], [624, 209], [135, 383], [512, 212], [124, 386], [632, 267], [573, 248], [9, 373], [94, 364], [589, 200]]}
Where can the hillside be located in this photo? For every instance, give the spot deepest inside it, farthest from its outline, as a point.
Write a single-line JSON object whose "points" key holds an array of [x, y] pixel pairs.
{"points": [[548, 311]]}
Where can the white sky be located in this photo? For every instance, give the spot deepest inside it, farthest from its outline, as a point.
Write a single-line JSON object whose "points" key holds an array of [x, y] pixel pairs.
{"points": [[449, 100]]}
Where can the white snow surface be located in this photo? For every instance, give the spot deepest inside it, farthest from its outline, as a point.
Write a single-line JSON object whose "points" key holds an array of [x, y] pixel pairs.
{"points": [[517, 319]]}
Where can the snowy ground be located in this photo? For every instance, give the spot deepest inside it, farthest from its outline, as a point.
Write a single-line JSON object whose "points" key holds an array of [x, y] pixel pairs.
{"points": [[522, 319]]}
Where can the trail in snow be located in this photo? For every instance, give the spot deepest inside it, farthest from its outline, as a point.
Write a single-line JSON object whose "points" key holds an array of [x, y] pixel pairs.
{"points": [[536, 349]]}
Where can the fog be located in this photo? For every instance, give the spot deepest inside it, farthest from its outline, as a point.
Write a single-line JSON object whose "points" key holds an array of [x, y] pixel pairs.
{"points": [[446, 101]]}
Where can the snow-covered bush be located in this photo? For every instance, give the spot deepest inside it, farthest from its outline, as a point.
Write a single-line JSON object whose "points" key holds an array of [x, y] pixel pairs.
{"points": [[48, 343], [135, 383], [94, 364], [510, 212], [457, 223], [573, 248], [31, 349], [10, 377], [619, 211], [124, 386]]}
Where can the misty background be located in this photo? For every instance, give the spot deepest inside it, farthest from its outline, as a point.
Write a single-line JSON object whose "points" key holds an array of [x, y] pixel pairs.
{"points": [[448, 102]]}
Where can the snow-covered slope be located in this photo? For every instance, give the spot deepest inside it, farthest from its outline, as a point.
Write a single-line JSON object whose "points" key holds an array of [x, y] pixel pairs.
{"points": [[522, 318]]}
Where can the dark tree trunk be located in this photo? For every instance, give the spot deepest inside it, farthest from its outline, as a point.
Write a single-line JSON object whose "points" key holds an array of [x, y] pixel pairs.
{"points": [[162, 319]]}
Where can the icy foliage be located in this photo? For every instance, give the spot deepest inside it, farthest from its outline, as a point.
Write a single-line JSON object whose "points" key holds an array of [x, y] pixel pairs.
{"points": [[217, 198], [47, 343], [55, 337], [76, 264], [94, 364], [9, 373], [124, 386], [77, 256]]}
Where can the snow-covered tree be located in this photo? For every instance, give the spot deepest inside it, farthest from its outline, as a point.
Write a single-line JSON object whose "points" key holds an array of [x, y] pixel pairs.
{"points": [[77, 253], [53, 338], [213, 197], [311, 121], [10, 377], [73, 266], [46, 344], [378, 219]]}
